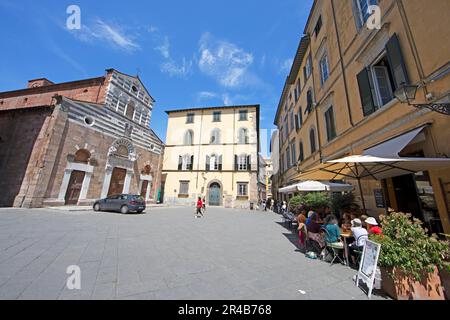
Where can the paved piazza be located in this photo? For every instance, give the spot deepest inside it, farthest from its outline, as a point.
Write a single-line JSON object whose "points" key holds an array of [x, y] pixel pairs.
{"points": [[163, 254]]}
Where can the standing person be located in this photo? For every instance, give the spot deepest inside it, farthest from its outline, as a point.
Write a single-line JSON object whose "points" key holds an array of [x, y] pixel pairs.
{"points": [[199, 208], [263, 203], [284, 207], [272, 204], [204, 205]]}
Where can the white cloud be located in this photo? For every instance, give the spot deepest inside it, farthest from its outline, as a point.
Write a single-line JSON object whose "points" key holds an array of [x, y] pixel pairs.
{"points": [[152, 29], [173, 69], [164, 48], [224, 61], [109, 33], [204, 95]]}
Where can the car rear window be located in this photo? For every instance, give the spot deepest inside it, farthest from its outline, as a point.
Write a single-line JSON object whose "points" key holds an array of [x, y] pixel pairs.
{"points": [[137, 198]]}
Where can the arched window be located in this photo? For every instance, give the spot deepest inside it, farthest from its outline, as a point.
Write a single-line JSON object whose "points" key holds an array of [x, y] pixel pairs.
{"points": [[82, 156], [243, 136], [147, 169], [130, 110], [302, 153], [122, 151], [312, 140], [215, 136], [189, 138]]}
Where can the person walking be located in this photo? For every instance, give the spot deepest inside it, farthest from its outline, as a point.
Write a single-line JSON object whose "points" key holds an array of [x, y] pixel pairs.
{"points": [[199, 208], [272, 205], [204, 205]]}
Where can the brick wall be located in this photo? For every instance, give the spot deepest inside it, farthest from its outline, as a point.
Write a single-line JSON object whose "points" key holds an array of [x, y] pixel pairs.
{"points": [[20, 132]]}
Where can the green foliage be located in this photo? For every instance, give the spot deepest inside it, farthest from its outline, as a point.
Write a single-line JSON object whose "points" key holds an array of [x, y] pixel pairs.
{"points": [[317, 200], [406, 245], [296, 204], [344, 201]]}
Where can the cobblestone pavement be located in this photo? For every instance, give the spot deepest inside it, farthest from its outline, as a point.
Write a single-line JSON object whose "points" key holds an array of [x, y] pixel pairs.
{"points": [[163, 254]]}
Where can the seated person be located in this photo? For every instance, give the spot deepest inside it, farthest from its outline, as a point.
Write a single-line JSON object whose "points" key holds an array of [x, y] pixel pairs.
{"points": [[301, 219], [361, 235], [363, 219], [333, 234], [346, 221], [314, 228], [372, 226]]}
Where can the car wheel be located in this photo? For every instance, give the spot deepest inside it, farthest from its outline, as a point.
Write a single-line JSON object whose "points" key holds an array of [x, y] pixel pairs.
{"points": [[124, 209], [97, 207], [140, 211]]}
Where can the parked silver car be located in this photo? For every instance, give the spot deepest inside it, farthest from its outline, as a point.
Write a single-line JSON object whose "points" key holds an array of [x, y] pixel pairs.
{"points": [[123, 203]]}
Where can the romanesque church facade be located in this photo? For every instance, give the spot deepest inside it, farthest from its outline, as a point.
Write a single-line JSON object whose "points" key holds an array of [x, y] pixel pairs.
{"points": [[71, 143]]}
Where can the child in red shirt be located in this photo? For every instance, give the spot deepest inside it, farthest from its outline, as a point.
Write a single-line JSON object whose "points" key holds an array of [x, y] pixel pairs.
{"points": [[199, 207]]}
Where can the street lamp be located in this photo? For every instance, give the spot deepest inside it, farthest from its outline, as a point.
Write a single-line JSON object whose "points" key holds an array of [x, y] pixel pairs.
{"points": [[407, 94]]}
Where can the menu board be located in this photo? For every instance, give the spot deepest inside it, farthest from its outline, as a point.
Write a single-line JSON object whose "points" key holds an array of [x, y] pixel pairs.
{"points": [[368, 266], [379, 198]]}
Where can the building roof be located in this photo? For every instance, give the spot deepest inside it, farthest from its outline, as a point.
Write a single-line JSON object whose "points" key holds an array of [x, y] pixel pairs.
{"points": [[295, 69], [213, 108]]}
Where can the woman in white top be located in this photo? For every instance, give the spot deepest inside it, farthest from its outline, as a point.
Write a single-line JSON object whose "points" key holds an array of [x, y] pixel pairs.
{"points": [[361, 235]]}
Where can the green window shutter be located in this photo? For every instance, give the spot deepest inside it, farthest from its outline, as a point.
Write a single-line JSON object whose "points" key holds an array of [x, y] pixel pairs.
{"points": [[365, 92], [180, 163], [236, 164], [396, 62], [208, 159], [296, 123]]}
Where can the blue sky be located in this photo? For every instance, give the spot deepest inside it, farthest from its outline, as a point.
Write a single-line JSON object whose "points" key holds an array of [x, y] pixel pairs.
{"points": [[188, 53]]}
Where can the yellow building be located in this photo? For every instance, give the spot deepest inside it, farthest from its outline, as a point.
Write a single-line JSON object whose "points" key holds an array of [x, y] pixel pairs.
{"points": [[339, 99], [213, 153]]}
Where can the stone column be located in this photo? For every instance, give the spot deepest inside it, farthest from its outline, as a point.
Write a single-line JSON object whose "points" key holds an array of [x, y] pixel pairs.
{"points": [[106, 182], [127, 183], [64, 184], [85, 186]]}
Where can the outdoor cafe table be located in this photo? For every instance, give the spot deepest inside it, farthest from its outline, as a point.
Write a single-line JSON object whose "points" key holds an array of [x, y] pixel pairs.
{"points": [[346, 235]]}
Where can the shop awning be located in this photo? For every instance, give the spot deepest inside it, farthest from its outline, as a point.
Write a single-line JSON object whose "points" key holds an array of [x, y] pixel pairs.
{"points": [[311, 186], [367, 166], [392, 147]]}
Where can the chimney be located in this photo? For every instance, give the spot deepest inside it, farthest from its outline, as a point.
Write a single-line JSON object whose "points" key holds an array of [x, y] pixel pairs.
{"points": [[39, 83]]}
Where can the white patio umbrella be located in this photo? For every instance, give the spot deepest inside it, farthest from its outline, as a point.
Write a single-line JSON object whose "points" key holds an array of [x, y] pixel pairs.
{"points": [[311, 186], [366, 166]]}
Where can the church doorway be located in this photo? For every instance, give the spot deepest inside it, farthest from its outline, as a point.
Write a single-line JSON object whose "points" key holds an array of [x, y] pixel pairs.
{"points": [[74, 187], [117, 181]]}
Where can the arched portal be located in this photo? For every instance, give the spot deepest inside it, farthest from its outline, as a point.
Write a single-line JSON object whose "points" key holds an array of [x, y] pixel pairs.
{"points": [[215, 194]]}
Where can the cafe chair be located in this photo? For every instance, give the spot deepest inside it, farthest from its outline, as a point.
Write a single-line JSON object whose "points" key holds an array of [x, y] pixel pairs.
{"points": [[333, 249], [359, 250]]}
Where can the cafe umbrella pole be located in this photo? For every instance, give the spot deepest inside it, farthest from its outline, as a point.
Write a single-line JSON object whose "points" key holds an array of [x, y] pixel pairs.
{"points": [[360, 190]]}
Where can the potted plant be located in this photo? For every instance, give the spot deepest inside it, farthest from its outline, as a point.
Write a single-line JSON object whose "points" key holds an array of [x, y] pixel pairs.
{"points": [[410, 259], [445, 279], [296, 204]]}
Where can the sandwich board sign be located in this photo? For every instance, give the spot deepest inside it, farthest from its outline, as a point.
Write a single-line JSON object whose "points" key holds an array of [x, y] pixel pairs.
{"points": [[368, 265]]}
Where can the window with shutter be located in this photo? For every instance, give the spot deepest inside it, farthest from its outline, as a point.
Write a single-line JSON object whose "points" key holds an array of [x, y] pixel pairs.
{"points": [[396, 62], [301, 153], [365, 92], [208, 163], [330, 124], [312, 140], [309, 99]]}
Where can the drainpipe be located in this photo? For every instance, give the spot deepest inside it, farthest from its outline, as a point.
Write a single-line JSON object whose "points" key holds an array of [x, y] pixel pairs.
{"points": [[341, 60]]}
